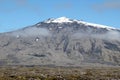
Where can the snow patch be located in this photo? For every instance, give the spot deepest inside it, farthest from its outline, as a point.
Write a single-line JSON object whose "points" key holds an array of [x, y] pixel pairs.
{"points": [[37, 40], [95, 25], [38, 24], [50, 29], [17, 36], [60, 27]]}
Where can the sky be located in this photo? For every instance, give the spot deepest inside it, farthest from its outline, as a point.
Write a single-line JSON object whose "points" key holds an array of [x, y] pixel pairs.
{"points": [[16, 14]]}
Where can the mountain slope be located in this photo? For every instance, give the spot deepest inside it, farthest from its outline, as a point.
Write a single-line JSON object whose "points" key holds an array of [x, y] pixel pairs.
{"points": [[61, 42]]}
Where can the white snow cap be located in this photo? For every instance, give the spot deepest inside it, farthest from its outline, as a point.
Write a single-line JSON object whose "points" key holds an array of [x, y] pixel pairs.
{"points": [[68, 20], [59, 20]]}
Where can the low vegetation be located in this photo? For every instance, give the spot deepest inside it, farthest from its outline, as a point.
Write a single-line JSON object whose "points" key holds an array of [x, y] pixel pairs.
{"points": [[58, 73]]}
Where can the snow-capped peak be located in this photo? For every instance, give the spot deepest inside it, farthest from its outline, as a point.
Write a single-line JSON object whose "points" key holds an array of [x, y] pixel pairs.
{"points": [[59, 20], [68, 20]]}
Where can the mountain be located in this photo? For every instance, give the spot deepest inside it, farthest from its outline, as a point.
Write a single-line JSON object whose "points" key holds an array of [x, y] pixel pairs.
{"points": [[61, 42]]}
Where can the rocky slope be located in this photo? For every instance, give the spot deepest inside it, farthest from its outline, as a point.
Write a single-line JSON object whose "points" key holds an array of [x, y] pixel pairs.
{"points": [[61, 42]]}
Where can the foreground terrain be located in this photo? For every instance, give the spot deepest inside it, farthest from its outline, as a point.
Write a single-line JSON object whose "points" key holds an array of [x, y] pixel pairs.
{"points": [[58, 73]]}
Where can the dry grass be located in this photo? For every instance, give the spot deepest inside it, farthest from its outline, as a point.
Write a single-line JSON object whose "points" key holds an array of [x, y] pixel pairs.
{"points": [[58, 73]]}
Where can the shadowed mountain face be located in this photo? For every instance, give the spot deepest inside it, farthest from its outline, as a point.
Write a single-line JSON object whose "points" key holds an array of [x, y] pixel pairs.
{"points": [[61, 42]]}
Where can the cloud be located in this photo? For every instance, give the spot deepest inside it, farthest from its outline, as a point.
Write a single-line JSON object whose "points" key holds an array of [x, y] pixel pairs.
{"points": [[21, 2], [7, 6], [108, 5], [110, 35], [63, 6], [32, 31]]}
